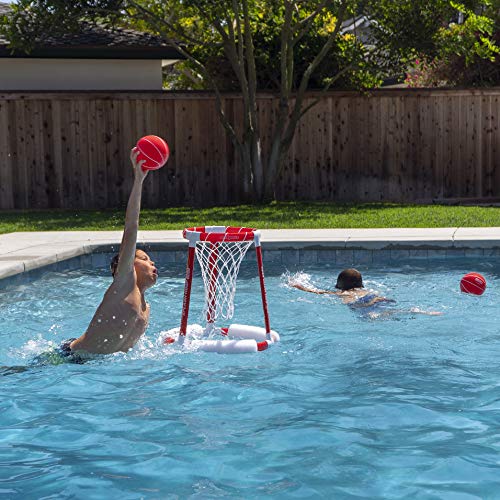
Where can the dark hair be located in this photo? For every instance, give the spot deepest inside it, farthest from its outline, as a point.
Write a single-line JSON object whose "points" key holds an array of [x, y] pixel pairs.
{"points": [[114, 264], [348, 279]]}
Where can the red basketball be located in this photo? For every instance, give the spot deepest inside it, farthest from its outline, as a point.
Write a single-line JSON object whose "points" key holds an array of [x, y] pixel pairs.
{"points": [[473, 283], [154, 150]]}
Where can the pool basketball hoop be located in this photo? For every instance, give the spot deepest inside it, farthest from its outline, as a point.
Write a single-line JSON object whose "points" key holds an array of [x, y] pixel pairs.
{"points": [[220, 251]]}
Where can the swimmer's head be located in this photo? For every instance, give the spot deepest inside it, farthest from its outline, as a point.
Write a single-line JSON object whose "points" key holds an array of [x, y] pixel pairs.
{"points": [[144, 267], [349, 279]]}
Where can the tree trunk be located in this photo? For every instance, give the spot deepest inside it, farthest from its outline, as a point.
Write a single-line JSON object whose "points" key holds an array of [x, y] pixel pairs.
{"points": [[252, 164], [247, 168], [272, 171], [258, 168]]}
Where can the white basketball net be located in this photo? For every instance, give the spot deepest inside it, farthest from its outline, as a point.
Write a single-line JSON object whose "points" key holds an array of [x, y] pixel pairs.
{"points": [[220, 263]]}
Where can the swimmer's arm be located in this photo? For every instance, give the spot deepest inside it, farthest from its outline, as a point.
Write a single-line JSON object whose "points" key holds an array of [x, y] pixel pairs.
{"points": [[314, 290], [129, 239], [427, 313]]}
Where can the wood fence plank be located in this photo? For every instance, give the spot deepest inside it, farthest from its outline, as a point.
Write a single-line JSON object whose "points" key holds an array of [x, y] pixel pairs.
{"points": [[486, 136], [375, 147], [98, 140], [232, 178], [35, 152], [495, 145], [358, 124], [165, 178], [184, 150], [467, 158], [21, 187], [342, 132], [392, 149], [285, 183], [74, 171], [6, 174], [328, 164], [55, 137], [412, 176], [48, 166], [436, 138], [309, 174], [115, 177], [451, 136], [82, 146]]}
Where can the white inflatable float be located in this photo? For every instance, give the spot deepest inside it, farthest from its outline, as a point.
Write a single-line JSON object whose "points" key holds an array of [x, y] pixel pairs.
{"points": [[237, 339]]}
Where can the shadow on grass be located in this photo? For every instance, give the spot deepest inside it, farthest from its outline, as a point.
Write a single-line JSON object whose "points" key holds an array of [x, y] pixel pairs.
{"points": [[59, 219], [274, 215]]}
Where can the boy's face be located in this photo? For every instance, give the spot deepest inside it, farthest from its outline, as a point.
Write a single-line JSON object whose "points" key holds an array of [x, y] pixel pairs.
{"points": [[145, 270]]}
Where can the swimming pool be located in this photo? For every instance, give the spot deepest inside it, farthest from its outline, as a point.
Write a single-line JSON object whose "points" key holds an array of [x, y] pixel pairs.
{"points": [[344, 407]]}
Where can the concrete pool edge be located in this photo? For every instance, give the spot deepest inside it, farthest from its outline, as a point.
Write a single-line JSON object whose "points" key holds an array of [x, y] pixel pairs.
{"points": [[24, 252]]}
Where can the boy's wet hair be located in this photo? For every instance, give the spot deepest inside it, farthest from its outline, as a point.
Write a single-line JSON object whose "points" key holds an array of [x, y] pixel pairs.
{"points": [[349, 279], [114, 264]]}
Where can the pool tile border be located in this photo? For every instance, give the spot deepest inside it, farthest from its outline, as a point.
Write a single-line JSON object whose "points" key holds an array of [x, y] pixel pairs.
{"points": [[28, 255]]}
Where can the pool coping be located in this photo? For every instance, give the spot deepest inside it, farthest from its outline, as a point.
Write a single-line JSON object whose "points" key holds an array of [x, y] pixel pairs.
{"points": [[23, 252]]}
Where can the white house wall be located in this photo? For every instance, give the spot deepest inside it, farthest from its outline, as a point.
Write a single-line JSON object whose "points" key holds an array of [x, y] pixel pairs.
{"points": [[80, 74]]}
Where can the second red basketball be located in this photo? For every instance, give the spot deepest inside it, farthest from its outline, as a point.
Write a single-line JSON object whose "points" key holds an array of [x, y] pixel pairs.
{"points": [[473, 283]]}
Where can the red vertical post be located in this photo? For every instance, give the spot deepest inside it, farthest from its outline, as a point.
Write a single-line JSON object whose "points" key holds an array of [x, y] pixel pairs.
{"points": [[258, 251], [212, 287], [187, 289]]}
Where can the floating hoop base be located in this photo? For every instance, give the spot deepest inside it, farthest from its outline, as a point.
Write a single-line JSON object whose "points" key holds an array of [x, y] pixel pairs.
{"points": [[239, 339]]}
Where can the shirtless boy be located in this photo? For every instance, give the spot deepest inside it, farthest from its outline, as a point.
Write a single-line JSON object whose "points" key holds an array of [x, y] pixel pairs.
{"points": [[123, 315]]}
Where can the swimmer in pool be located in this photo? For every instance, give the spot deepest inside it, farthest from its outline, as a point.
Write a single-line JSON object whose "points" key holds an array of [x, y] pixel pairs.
{"points": [[352, 292], [123, 315]]}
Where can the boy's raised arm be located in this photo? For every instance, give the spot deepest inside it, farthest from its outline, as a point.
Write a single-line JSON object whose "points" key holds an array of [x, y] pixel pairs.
{"points": [[129, 239]]}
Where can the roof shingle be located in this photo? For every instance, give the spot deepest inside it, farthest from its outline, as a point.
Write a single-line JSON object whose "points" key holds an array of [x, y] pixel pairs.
{"points": [[97, 41]]}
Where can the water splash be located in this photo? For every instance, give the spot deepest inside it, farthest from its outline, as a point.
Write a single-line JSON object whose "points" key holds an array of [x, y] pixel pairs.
{"points": [[300, 278]]}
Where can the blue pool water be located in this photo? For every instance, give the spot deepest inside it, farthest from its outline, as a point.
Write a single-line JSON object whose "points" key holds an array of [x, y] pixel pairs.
{"points": [[344, 407]]}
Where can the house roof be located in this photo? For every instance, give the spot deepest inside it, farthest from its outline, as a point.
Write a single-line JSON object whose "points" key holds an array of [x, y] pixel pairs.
{"points": [[95, 42]]}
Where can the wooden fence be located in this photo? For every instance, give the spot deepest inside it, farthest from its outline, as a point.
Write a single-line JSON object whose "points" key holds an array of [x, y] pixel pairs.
{"points": [[70, 150]]}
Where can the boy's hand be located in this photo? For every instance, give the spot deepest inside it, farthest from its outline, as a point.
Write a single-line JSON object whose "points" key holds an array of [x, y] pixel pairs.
{"points": [[139, 173]]}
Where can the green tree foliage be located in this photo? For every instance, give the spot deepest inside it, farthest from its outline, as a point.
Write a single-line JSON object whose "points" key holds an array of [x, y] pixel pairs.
{"points": [[427, 35], [469, 53], [266, 23]]}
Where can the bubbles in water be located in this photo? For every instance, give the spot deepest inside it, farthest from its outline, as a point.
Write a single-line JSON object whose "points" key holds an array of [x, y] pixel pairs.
{"points": [[53, 329]]}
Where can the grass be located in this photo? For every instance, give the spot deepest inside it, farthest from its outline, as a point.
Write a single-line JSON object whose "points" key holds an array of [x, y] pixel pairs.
{"points": [[278, 215]]}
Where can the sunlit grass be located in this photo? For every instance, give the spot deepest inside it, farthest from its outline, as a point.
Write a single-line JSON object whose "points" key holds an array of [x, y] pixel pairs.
{"points": [[279, 215]]}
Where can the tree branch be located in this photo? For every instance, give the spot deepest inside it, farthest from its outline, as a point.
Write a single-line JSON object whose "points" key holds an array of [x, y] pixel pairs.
{"points": [[250, 62], [309, 71], [326, 87], [172, 26], [305, 25], [183, 51]]}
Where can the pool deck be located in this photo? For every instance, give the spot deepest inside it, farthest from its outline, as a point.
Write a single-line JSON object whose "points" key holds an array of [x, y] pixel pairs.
{"points": [[26, 251]]}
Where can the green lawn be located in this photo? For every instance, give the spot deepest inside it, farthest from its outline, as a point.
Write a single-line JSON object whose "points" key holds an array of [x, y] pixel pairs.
{"points": [[280, 215]]}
